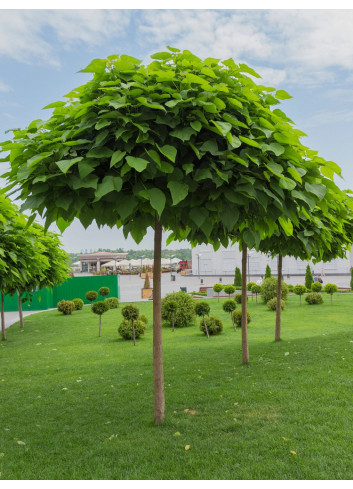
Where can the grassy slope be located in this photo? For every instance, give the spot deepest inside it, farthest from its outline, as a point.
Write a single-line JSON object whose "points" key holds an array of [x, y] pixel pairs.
{"points": [[300, 402]]}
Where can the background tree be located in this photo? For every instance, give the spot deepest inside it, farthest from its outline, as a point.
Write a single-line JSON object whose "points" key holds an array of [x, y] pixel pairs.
{"points": [[331, 289], [100, 308], [256, 289], [170, 309], [308, 277], [300, 290], [316, 287], [230, 306], [203, 309], [229, 289], [268, 272], [218, 289], [237, 277], [131, 313]]}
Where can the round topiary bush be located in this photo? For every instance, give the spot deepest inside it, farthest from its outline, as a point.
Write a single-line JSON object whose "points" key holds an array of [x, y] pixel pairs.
{"points": [[214, 325], [113, 302], [237, 298], [130, 312], [237, 318], [316, 287], [68, 308], [60, 305], [229, 306], [125, 329], [249, 285], [91, 295], [269, 289], [143, 318], [104, 291], [331, 289], [78, 304], [272, 304], [229, 289], [185, 313], [100, 307], [290, 287], [314, 298]]}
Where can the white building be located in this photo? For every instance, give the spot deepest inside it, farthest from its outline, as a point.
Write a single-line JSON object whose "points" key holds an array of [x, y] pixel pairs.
{"points": [[206, 261]]}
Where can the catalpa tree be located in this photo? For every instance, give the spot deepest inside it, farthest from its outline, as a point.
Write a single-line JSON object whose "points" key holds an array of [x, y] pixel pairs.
{"points": [[183, 144]]}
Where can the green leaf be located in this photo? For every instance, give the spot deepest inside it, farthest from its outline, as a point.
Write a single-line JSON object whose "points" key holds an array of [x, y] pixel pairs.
{"points": [[282, 95], [169, 152], [298, 194], [86, 167], [100, 152], [203, 174], [235, 103], [178, 191], [157, 199], [293, 172], [188, 168], [62, 224], [174, 50], [139, 164], [109, 184], [199, 215], [275, 167], [286, 225], [276, 148], [250, 142], [102, 123], [246, 69], [95, 66], [65, 165], [54, 105], [116, 157], [183, 133], [37, 158], [196, 125], [223, 127], [230, 216], [316, 189], [163, 55]]}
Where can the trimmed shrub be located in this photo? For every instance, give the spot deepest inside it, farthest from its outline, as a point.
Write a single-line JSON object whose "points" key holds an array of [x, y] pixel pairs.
{"points": [[290, 287], [147, 284], [269, 289], [104, 291], [125, 329], [113, 302], [78, 304], [229, 306], [249, 285], [91, 295], [170, 309], [237, 298], [100, 307], [218, 288], [130, 312], [68, 308], [314, 298], [229, 289], [237, 277], [214, 325], [185, 313], [202, 308], [268, 272], [300, 290], [351, 284], [331, 289], [316, 287], [308, 277], [272, 304], [143, 318], [256, 289], [237, 317], [60, 305]]}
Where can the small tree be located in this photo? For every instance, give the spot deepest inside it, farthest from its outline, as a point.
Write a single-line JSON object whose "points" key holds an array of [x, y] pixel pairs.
{"points": [[237, 277], [316, 287], [91, 296], [203, 309], [100, 308], [299, 290], [218, 288], [331, 289], [104, 291], [131, 313], [147, 284], [230, 306], [308, 277], [170, 309], [256, 289], [229, 289], [268, 272], [249, 286]]}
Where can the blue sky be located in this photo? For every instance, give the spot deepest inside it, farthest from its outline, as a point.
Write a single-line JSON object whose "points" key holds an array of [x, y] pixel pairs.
{"points": [[307, 52]]}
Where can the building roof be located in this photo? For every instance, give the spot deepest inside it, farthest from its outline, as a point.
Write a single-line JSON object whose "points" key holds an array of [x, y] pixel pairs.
{"points": [[101, 255]]}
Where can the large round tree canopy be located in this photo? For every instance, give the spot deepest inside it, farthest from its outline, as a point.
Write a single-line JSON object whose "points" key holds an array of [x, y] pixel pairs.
{"points": [[195, 142]]}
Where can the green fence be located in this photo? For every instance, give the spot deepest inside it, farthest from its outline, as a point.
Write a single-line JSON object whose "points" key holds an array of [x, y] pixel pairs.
{"points": [[75, 287]]}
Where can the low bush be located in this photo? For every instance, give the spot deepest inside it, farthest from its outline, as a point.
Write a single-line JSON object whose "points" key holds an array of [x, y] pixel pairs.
{"points": [[113, 302], [237, 298], [68, 308], [78, 304], [269, 289], [214, 325], [272, 304], [237, 317], [143, 318], [316, 287], [185, 312], [60, 305], [314, 298], [125, 329], [290, 287]]}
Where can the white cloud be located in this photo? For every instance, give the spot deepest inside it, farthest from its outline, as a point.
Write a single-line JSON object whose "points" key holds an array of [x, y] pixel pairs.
{"points": [[24, 33], [4, 87]]}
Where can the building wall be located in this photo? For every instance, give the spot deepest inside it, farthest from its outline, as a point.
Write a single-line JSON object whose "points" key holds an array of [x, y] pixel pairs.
{"points": [[206, 261]]}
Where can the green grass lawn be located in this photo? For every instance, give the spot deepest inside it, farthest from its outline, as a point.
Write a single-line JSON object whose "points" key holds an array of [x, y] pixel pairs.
{"points": [[83, 405]]}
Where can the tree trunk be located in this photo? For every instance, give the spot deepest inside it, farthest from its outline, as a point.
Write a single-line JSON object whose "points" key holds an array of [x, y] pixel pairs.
{"points": [[244, 317], [3, 331], [100, 324], [279, 298], [157, 328], [206, 329], [20, 312], [231, 315], [133, 332], [173, 322]]}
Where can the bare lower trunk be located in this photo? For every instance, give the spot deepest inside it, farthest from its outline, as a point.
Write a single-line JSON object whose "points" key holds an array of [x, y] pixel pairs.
{"points": [[244, 317], [256, 299], [3, 331], [231, 315], [20, 312], [133, 332], [206, 329], [157, 328], [279, 298], [100, 324]]}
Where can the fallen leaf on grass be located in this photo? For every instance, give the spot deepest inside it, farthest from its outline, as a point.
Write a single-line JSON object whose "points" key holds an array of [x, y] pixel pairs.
{"points": [[293, 452], [187, 447], [192, 411], [286, 354], [2, 455], [113, 436], [285, 439], [236, 403], [186, 410], [20, 442], [177, 433]]}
